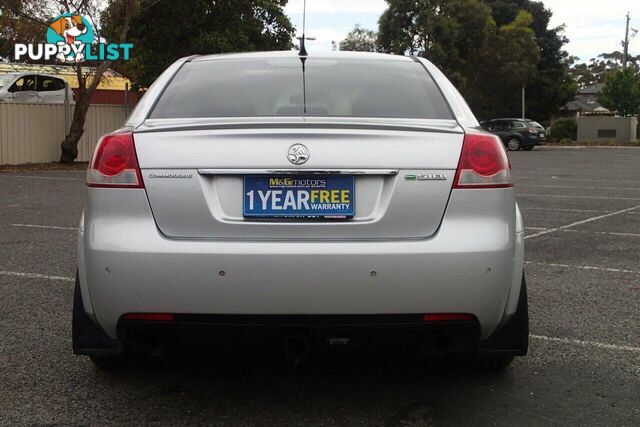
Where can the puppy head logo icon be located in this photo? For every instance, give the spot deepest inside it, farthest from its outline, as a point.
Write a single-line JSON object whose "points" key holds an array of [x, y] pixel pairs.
{"points": [[70, 29]]}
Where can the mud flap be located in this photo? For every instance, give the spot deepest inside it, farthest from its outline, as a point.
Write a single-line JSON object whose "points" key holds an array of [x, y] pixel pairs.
{"points": [[88, 337], [512, 338]]}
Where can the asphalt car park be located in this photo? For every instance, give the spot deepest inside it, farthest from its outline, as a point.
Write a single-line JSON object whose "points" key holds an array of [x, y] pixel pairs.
{"points": [[581, 208]]}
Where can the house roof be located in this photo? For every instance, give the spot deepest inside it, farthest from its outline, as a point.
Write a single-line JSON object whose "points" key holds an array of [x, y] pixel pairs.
{"points": [[586, 100], [591, 89], [56, 70], [580, 105]]}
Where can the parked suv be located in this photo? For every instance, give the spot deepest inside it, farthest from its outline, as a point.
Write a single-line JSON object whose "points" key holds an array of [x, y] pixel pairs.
{"points": [[32, 88], [517, 133]]}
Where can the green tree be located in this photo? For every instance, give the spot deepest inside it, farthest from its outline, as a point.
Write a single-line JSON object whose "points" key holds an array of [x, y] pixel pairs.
{"points": [[621, 92], [164, 31], [19, 24], [449, 33], [552, 86], [509, 64], [595, 71], [36, 14], [582, 74], [462, 45], [361, 40], [488, 63]]}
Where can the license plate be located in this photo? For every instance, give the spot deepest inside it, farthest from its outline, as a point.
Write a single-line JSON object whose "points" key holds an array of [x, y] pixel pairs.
{"points": [[286, 196], [541, 134]]}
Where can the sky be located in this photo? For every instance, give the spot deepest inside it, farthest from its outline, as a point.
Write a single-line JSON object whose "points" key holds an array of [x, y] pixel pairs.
{"points": [[592, 26]]}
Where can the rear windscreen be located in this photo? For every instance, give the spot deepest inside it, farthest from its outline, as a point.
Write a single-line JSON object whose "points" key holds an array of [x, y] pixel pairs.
{"points": [[280, 87], [535, 125]]}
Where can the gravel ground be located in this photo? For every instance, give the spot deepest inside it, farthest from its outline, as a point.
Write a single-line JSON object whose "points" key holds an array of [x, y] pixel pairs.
{"points": [[582, 213]]}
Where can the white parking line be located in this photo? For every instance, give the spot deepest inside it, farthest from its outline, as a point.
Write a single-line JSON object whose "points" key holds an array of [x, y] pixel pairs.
{"points": [[561, 196], [36, 276], [559, 170], [53, 227], [579, 187], [538, 337], [584, 221], [585, 343], [583, 267], [38, 177], [586, 147], [607, 233], [566, 210], [578, 179]]}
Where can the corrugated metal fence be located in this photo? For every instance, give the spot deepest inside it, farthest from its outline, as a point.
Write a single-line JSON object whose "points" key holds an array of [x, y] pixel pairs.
{"points": [[32, 133]]}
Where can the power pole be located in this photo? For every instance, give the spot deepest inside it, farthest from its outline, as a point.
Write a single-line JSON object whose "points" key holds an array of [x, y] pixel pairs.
{"points": [[625, 43], [523, 104]]}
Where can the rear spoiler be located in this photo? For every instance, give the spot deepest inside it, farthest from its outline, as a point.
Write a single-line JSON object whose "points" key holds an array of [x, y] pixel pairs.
{"points": [[187, 124]]}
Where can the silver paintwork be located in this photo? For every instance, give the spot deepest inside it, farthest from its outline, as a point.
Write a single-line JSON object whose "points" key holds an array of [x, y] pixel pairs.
{"points": [[211, 207], [469, 266], [434, 249], [243, 123], [297, 171]]}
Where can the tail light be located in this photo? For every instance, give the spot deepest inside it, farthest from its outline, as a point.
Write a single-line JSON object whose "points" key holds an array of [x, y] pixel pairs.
{"points": [[447, 317], [483, 163], [114, 163]]}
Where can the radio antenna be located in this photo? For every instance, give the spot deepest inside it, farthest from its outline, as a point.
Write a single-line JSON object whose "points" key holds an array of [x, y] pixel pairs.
{"points": [[303, 57], [303, 50]]}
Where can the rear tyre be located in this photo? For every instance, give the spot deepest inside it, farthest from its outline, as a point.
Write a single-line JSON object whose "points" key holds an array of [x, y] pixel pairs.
{"points": [[513, 143]]}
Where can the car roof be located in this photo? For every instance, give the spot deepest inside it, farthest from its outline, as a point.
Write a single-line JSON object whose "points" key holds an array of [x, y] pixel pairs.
{"points": [[294, 54], [513, 119], [27, 73]]}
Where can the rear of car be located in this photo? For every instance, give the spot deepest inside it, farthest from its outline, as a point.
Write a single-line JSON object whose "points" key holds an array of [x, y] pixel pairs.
{"points": [[518, 134], [339, 199]]}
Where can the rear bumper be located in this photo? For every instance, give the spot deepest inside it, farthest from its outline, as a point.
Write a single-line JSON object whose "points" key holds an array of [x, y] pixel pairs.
{"points": [[315, 331], [196, 334], [529, 141], [472, 265]]}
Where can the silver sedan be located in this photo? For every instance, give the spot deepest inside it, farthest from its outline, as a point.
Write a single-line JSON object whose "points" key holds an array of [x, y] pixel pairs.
{"points": [[338, 199]]}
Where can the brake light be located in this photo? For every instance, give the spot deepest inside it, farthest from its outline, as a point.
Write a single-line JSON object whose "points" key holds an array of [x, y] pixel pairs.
{"points": [[114, 163], [151, 317], [483, 163]]}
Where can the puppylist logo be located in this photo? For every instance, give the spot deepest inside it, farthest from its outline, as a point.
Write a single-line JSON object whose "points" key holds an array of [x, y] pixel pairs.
{"points": [[70, 38]]}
